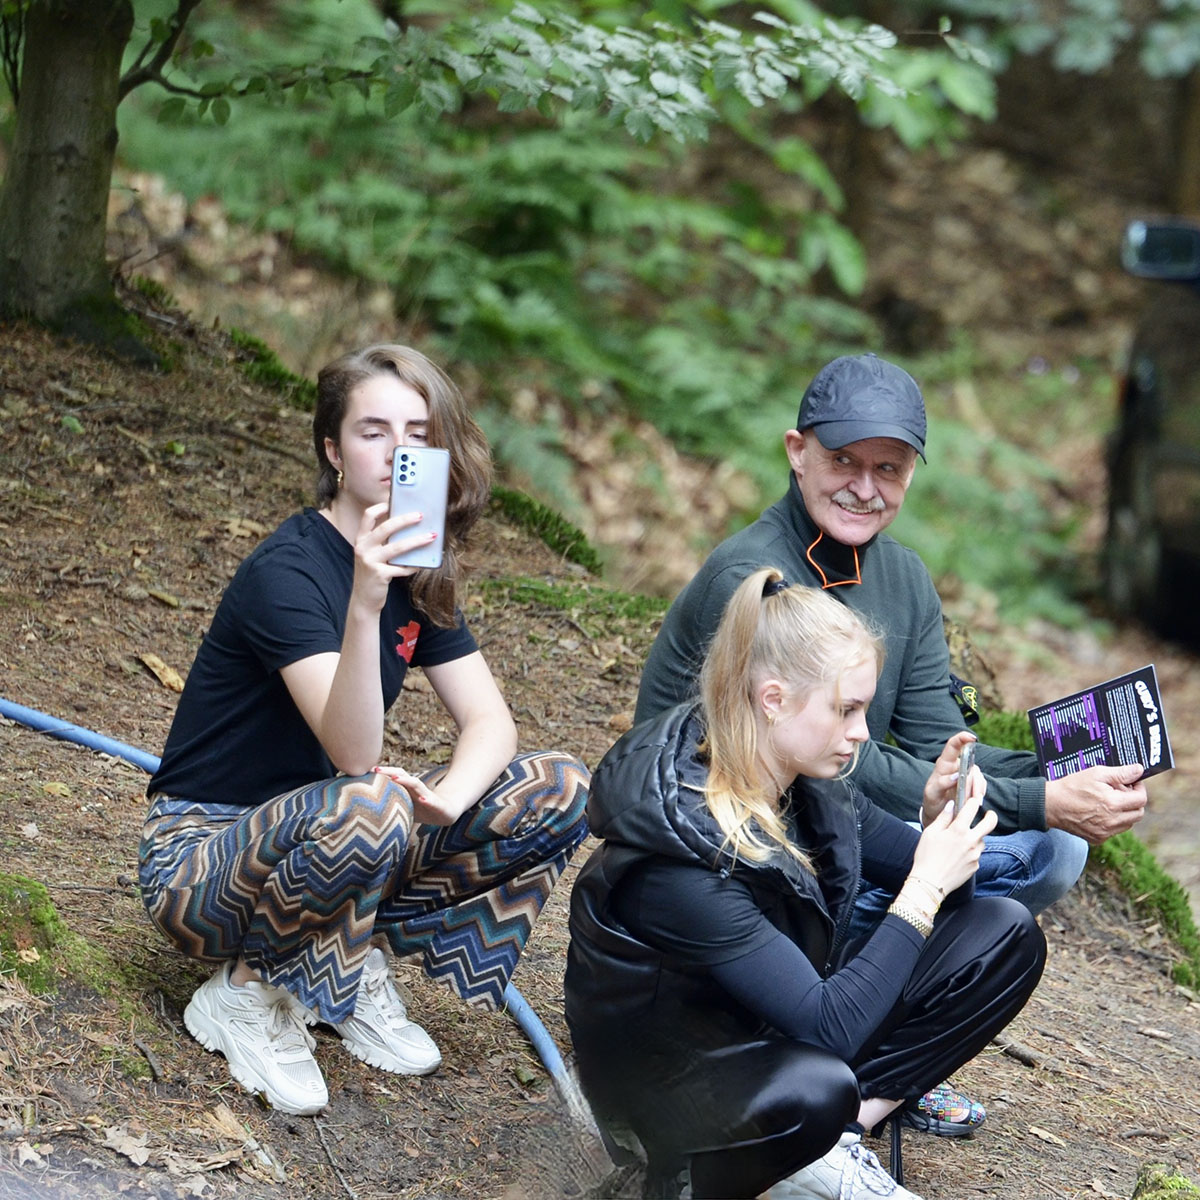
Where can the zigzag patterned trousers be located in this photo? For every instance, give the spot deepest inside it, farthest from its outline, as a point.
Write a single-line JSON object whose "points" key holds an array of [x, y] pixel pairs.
{"points": [[298, 885]]}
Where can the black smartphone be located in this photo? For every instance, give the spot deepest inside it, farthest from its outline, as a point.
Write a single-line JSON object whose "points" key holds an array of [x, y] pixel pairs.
{"points": [[421, 483], [966, 760]]}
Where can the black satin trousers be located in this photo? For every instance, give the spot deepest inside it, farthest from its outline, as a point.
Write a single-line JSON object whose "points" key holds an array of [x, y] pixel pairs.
{"points": [[743, 1116]]}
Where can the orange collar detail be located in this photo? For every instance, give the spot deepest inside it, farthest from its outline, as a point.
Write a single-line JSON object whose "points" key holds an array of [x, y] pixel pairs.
{"points": [[825, 581]]}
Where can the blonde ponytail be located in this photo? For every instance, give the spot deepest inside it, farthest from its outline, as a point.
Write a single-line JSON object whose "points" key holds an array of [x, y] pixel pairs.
{"points": [[769, 629]]}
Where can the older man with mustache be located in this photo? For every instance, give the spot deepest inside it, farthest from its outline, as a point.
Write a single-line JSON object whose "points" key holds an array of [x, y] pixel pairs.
{"points": [[853, 453]]}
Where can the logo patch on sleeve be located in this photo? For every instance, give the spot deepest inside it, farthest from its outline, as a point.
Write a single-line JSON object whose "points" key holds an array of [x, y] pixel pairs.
{"points": [[408, 635]]}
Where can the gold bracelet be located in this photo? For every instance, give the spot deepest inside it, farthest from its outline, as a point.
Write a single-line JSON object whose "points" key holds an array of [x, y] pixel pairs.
{"points": [[932, 895], [916, 919], [919, 903], [933, 887]]}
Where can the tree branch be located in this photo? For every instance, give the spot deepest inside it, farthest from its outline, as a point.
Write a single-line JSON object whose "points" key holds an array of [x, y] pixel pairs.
{"points": [[139, 73], [12, 35]]}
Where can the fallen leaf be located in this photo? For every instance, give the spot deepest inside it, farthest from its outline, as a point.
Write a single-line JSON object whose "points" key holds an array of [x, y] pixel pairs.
{"points": [[30, 830], [56, 789], [243, 527], [167, 676], [30, 955], [27, 1154], [137, 1150], [164, 597], [1046, 1136], [1162, 1035], [1101, 1190], [225, 1123]]}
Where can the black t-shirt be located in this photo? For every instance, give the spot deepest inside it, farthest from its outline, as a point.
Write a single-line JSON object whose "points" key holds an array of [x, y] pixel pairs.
{"points": [[237, 737]]}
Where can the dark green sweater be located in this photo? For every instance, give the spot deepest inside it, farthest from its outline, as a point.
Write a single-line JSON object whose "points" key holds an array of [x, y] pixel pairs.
{"points": [[897, 598]]}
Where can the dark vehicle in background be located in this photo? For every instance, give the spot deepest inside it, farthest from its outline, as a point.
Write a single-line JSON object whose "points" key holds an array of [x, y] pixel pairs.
{"points": [[1152, 551]]}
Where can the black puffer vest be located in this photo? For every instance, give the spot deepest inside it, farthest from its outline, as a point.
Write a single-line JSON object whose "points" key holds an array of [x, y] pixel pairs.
{"points": [[645, 800]]}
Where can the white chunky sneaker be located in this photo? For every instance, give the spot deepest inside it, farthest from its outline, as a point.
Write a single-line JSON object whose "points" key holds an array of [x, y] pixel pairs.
{"points": [[263, 1039], [848, 1172], [380, 1032]]}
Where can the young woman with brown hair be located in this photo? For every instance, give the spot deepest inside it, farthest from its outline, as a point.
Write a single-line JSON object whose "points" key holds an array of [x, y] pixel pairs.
{"points": [[277, 845]]}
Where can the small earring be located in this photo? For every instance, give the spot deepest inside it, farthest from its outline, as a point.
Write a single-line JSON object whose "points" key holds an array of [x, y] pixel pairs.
{"points": [[340, 479], [771, 718]]}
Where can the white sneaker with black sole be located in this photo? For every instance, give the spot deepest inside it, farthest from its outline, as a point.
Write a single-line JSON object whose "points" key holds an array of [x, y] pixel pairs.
{"points": [[258, 1029], [380, 1032], [848, 1172]]}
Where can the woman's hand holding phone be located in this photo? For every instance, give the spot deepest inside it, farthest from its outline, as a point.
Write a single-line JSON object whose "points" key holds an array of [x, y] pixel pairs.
{"points": [[947, 783], [948, 852], [373, 568]]}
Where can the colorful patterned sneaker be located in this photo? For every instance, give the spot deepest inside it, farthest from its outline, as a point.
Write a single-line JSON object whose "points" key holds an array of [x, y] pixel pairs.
{"points": [[263, 1039], [380, 1032], [848, 1172], [944, 1112]]}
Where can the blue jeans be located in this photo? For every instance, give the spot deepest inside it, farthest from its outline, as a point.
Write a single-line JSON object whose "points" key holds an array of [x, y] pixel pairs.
{"points": [[1033, 867]]}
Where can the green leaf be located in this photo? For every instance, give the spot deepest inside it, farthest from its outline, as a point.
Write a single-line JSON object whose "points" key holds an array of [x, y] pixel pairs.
{"points": [[847, 259], [797, 156], [171, 109], [71, 423], [399, 96], [512, 101], [968, 88], [220, 110], [640, 124]]}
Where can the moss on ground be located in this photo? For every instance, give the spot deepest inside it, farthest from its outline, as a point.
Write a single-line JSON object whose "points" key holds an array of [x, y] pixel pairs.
{"points": [[30, 931], [37, 946], [102, 321], [588, 604], [260, 364], [1157, 1181], [552, 528]]}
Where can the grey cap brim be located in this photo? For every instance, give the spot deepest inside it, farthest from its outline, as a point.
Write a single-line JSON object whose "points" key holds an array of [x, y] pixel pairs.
{"points": [[833, 435]]}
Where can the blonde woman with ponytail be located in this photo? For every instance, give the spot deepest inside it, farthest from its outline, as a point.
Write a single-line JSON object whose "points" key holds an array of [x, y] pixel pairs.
{"points": [[722, 1016]]}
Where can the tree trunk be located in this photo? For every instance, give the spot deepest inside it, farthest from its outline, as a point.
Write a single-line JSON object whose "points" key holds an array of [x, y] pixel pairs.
{"points": [[1185, 186], [54, 199]]}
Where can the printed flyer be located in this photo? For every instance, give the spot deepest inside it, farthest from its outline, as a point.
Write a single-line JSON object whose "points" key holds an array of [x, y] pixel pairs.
{"points": [[1117, 722]]}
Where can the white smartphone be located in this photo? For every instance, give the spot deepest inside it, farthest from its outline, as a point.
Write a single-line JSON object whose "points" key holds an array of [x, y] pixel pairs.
{"points": [[966, 760], [420, 483]]}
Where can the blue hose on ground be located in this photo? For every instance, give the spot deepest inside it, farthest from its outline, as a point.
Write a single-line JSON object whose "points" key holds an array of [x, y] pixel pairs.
{"points": [[520, 1008], [76, 733]]}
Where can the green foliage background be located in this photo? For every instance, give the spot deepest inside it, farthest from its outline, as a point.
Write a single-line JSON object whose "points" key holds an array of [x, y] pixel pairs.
{"points": [[697, 286]]}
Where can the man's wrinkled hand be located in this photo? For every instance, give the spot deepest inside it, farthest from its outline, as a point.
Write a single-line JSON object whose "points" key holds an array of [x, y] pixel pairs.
{"points": [[1097, 803]]}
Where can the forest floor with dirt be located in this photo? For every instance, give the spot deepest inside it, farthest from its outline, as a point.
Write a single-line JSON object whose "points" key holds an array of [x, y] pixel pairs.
{"points": [[116, 547], [130, 498]]}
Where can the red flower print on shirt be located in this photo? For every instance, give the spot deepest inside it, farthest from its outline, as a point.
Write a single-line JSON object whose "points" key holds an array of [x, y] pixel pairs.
{"points": [[408, 640]]}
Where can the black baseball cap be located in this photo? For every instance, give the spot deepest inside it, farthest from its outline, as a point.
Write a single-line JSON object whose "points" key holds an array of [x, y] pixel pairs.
{"points": [[862, 396]]}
